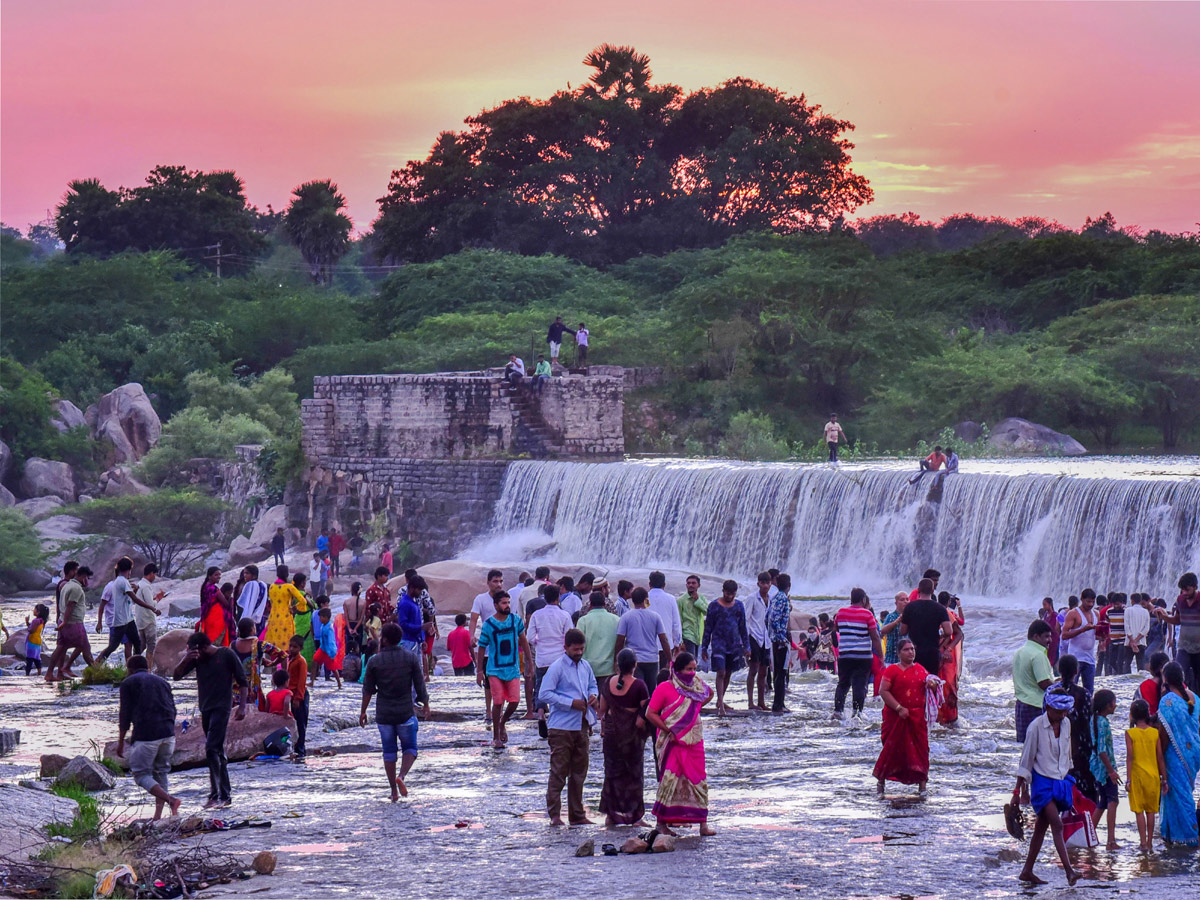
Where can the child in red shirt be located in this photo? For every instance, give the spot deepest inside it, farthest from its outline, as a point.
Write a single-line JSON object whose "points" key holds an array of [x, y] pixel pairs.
{"points": [[458, 642]]}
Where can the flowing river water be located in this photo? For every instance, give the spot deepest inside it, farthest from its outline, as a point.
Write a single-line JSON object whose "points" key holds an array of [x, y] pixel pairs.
{"points": [[792, 797]]}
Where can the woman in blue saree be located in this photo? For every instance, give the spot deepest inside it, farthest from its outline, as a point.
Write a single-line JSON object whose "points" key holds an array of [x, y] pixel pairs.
{"points": [[1179, 721]]}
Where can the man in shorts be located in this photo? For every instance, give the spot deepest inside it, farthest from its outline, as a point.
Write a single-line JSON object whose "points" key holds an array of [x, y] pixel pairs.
{"points": [[483, 607], [395, 675], [502, 643], [72, 634]]}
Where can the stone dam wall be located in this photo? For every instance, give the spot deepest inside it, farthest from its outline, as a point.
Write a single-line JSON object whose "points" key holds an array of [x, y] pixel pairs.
{"points": [[421, 458]]}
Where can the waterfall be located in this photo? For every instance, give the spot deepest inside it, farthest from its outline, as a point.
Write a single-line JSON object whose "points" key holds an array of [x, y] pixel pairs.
{"points": [[1019, 530]]}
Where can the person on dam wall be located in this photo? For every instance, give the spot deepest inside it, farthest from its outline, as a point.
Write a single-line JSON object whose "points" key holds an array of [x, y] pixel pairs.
{"points": [[833, 434]]}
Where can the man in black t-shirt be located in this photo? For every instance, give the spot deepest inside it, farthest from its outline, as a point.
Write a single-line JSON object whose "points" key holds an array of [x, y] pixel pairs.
{"points": [[217, 668], [926, 621]]}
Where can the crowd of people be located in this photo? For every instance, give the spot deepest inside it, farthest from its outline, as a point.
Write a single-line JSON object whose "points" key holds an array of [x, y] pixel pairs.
{"points": [[1068, 769], [632, 661]]}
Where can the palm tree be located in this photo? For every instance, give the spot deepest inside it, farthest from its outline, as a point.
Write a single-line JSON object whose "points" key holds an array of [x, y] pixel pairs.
{"points": [[620, 72], [315, 223]]}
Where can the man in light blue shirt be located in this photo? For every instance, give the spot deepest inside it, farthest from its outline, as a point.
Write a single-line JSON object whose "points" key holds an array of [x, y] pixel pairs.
{"points": [[569, 689]]}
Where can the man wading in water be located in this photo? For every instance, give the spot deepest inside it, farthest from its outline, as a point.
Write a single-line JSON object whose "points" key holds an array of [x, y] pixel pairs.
{"points": [[394, 673]]}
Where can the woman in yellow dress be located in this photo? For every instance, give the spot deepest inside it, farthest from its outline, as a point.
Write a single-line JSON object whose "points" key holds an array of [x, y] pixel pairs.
{"points": [[280, 624]]}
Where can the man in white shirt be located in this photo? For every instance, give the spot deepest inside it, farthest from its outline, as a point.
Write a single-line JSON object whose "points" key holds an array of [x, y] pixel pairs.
{"points": [[483, 607], [833, 432], [315, 576], [1137, 628], [545, 632], [541, 578], [515, 370], [253, 600], [667, 608], [123, 627], [581, 345], [1045, 763], [146, 612], [760, 648]]}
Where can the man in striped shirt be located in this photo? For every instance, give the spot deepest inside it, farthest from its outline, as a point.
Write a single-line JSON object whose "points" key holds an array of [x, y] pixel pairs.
{"points": [[858, 641]]}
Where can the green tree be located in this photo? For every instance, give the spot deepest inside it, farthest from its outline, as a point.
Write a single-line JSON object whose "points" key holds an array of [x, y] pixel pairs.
{"points": [[172, 528], [25, 399], [20, 546], [315, 223], [191, 212], [620, 167]]}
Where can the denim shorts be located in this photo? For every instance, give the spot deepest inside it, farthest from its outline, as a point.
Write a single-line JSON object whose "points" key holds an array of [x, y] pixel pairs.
{"points": [[405, 733]]}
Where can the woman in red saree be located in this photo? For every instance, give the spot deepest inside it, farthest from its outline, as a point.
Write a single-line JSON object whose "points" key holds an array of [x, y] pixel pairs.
{"points": [[679, 745], [905, 754], [216, 616], [950, 666]]}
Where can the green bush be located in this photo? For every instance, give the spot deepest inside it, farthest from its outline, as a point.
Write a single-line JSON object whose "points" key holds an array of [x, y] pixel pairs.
{"points": [[20, 546]]}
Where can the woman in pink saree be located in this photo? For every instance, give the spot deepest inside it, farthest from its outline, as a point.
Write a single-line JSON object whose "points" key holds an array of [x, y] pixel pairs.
{"points": [[679, 745]]}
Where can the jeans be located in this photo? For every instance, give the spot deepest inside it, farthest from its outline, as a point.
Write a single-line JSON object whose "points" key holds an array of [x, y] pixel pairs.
{"points": [[852, 672], [832, 451], [278, 557], [779, 655], [120, 633], [648, 672], [405, 733], [335, 564], [215, 723], [581, 351], [1087, 677], [150, 762], [692, 647], [569, 766], [539, 382], [300, 713], [539, 674], [1191, 668], [1118, 658]]}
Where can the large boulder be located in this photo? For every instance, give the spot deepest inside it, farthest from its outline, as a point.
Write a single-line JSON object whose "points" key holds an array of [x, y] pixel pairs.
{"points": [[87, 773], [40, 507], [271, 520], [53, 763], [98, 552], [6, 498], [119, 482], [15, 645], [66, 416], [125, 419], [968, 432], [243, 740], [170, 650], [58, 528], [6, 460], [243, 550], [34, 810], [48, 478], [1025, 437], [28, 579]]}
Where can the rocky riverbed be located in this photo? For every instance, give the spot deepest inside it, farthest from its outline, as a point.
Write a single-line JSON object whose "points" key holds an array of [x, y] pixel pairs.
{"points": [[792, 799]]}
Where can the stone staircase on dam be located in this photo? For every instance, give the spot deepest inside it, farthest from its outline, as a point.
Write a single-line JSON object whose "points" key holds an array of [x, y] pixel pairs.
{"points": [[532, 434]]}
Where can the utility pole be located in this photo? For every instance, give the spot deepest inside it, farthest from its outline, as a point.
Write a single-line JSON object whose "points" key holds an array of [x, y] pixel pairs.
{"points": [[217, 257]]}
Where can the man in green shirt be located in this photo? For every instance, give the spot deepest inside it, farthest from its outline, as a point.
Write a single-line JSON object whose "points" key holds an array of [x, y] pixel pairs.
{"points": [[541, 373], [599, 626], [72, 635], [1032, 674], [693, 607]]}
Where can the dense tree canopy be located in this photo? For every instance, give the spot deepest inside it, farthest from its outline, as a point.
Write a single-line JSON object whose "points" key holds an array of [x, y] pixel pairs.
{"points": [[621, 167], [190, 212]]}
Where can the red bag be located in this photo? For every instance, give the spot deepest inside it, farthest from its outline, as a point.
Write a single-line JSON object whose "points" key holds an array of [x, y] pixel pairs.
{"points": [[1079, 830]]}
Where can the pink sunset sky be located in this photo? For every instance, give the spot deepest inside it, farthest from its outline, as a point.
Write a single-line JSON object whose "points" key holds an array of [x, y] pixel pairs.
{"points": [[1061, 110]]}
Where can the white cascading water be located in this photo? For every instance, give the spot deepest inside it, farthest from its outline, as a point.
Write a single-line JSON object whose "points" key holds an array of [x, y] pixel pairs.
{"points": [[1008, 530]]}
